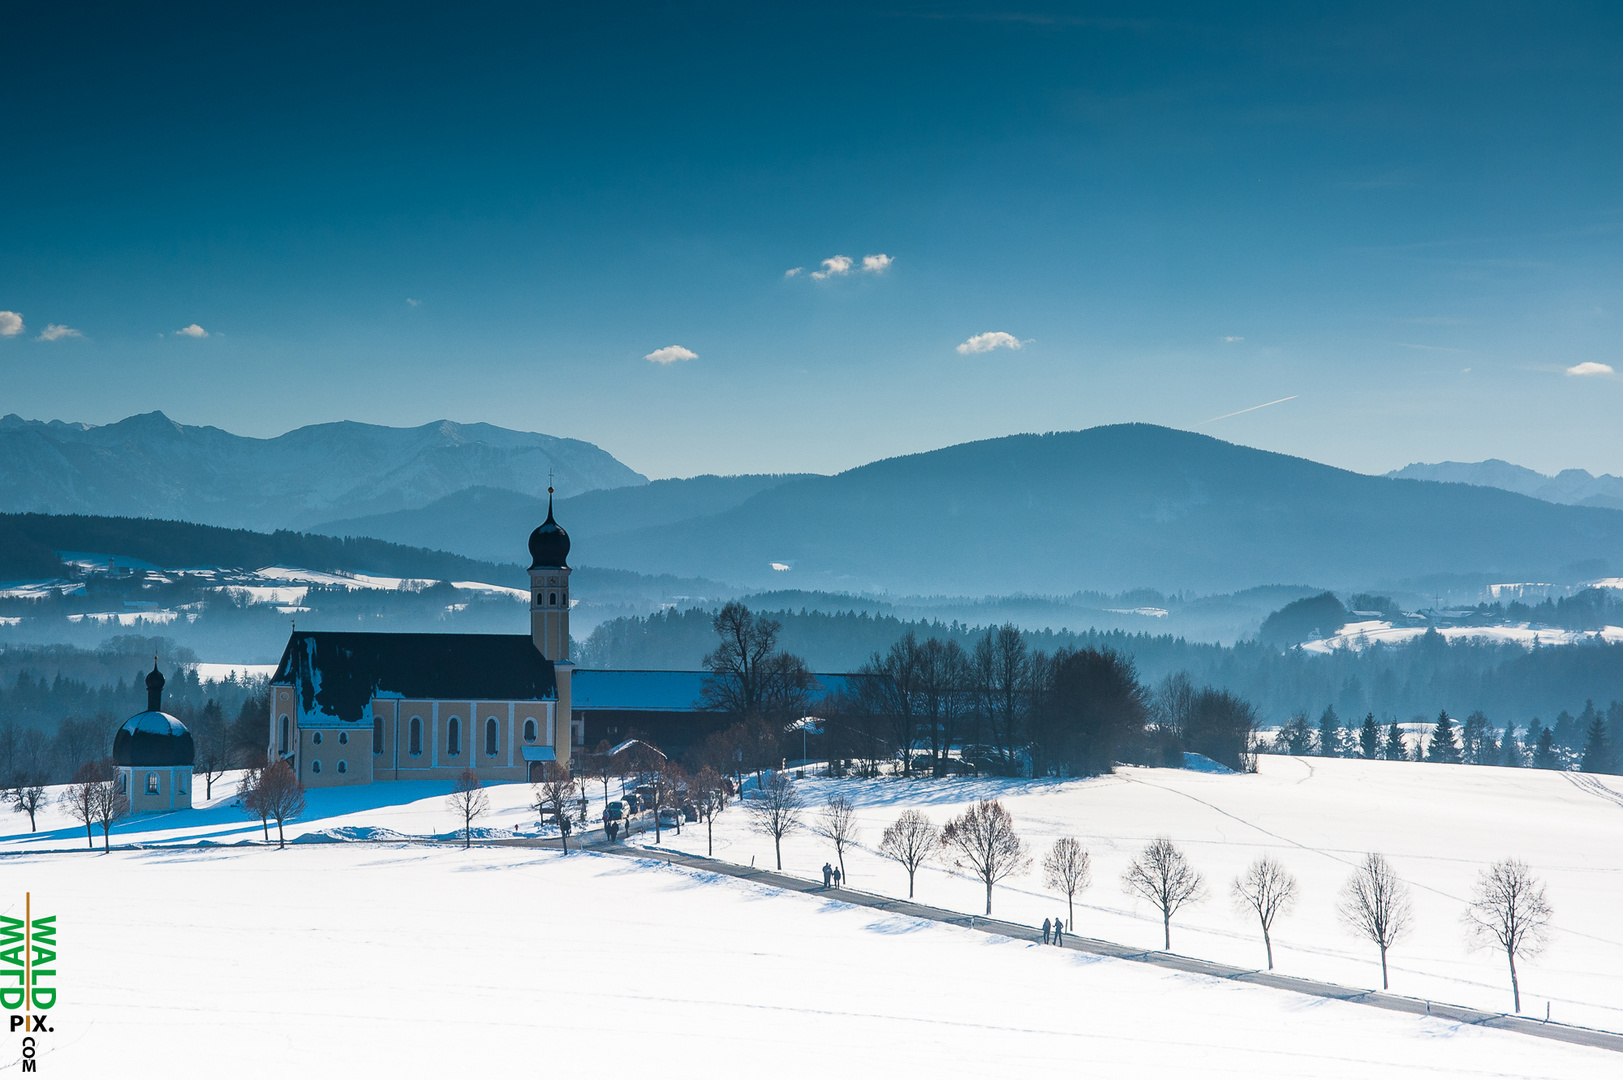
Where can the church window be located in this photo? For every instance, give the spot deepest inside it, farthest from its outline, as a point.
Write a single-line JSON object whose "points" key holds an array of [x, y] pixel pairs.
{"points": [[490, 736], [552, 599], [152, 783], [315, 766], [453, 737], [343, 737], [377, 734], [316, 738], [529, 730], [122, 784], [343, 767], [284, 733], [417, 736], [180, 783]]}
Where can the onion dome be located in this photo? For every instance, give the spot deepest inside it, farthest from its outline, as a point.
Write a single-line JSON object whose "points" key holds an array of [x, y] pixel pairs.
{"points": [[549, 544], [153, 738]]}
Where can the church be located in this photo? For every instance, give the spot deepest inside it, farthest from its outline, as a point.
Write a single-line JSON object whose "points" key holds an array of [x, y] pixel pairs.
{"points": [[358, 708]]}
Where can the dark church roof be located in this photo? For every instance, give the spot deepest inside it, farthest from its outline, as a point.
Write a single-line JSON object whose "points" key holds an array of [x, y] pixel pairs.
{"points": [[338, 674], [549, 544], [153, 738]]}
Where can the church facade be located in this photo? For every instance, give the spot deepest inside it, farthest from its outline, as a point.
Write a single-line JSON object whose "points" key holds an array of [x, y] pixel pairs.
{"points": [[358, 708]]}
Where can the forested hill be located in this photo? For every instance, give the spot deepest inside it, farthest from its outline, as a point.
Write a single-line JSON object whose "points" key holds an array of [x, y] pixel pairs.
{"points": [[1507, 682], [29, 544], [1120, 507]]}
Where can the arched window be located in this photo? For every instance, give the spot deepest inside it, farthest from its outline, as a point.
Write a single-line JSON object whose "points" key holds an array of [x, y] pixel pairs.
{"points": [[315, 766], [123, 786], [343, 767], [416, 736], [316, 738], [152, 783], [453, 736], [284, 734], [377, 734], [180, 783], [343, 737], [529, 729], [552, 599], [490, 736]]}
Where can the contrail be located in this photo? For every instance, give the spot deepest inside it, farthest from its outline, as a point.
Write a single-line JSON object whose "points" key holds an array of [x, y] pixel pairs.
{"points": [[1253, 408]]}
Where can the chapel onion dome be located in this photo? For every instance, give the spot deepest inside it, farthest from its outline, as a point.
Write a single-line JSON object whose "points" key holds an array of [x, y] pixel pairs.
{"points": [[549, 544], [153, 738]]}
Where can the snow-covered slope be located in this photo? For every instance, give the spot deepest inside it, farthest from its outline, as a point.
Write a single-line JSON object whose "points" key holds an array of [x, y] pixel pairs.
{"points": [[403, 961]]}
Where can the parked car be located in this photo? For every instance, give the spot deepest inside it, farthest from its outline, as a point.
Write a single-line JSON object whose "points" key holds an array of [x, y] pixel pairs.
{"points": [[615, 811], [671, 816], [631, 803], [690, 812]]}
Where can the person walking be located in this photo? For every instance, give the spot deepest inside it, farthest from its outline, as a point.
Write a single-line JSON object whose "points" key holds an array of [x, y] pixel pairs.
{"points": [[836, 877], [1047, 931], [828, 873], [1059, 932]]}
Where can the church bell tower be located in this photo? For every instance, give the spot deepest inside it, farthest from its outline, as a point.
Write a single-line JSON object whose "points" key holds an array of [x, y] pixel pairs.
{"points": [[549, 615]]}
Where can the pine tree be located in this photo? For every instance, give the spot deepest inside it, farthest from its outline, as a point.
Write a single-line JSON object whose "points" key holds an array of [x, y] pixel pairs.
{"points": [[1544, 753], [1393, 750], [1329, 733], [1369, 739], [1597, 753], [1479, 746], [1510, 751], [1443, 747]]}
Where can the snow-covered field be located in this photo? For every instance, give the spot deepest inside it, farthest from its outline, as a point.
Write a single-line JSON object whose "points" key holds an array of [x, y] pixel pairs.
{"points": [[1358, 635], [417, 958]]}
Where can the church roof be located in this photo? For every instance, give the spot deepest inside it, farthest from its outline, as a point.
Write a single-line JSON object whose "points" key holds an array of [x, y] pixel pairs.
{"points": [[337, 674], [153, 739]]}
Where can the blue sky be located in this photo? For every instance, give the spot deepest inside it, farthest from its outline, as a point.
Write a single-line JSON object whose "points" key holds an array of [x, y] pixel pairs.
{"points": [[1404, 218]]}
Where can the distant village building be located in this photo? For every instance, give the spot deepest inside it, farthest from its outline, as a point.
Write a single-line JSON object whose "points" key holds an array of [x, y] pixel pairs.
{"points": [[154, 755]]}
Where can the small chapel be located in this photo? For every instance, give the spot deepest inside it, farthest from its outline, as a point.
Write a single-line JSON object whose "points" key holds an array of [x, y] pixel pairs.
{"points": [[362, 708], [154, 753]]}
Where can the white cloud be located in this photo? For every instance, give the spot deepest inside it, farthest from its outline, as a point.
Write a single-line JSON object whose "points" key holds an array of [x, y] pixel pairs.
{"points": [[11, 324], [838, 266], [876, 264], [57, 330], [994, 339], [670, 354], [794, 272], [192, 331], [413, 303], [1589, 367], [1234, 338]]}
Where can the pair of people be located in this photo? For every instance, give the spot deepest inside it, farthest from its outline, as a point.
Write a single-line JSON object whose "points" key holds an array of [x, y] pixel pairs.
{"points": [[831, 874], [1054, 932]]}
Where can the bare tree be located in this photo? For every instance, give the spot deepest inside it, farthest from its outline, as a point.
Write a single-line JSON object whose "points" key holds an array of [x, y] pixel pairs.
{"points": [[110, 805], [282, 795], [552, 794], [78, 800], [1162, 875], [982, 839], [468, 799], [252, 798], [838, 825], [1267, 889], [1509, 910], [28, 797], [212, 737], [710, 799], [605, 768], [1375, 905], [1068, 869], [776, 810], [749, 677], [910, 840]]}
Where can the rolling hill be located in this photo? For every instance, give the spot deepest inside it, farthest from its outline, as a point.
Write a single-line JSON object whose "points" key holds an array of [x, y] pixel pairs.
{"points": [[1111, 508]]}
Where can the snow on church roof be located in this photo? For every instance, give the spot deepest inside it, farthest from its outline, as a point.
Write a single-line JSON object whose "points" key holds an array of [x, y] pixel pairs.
{"points": [[337, 674]]}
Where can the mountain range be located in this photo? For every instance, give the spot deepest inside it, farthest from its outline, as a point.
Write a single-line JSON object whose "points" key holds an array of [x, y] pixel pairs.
{"points": [[1114, 508], [1575, 487], [150, 466]]}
